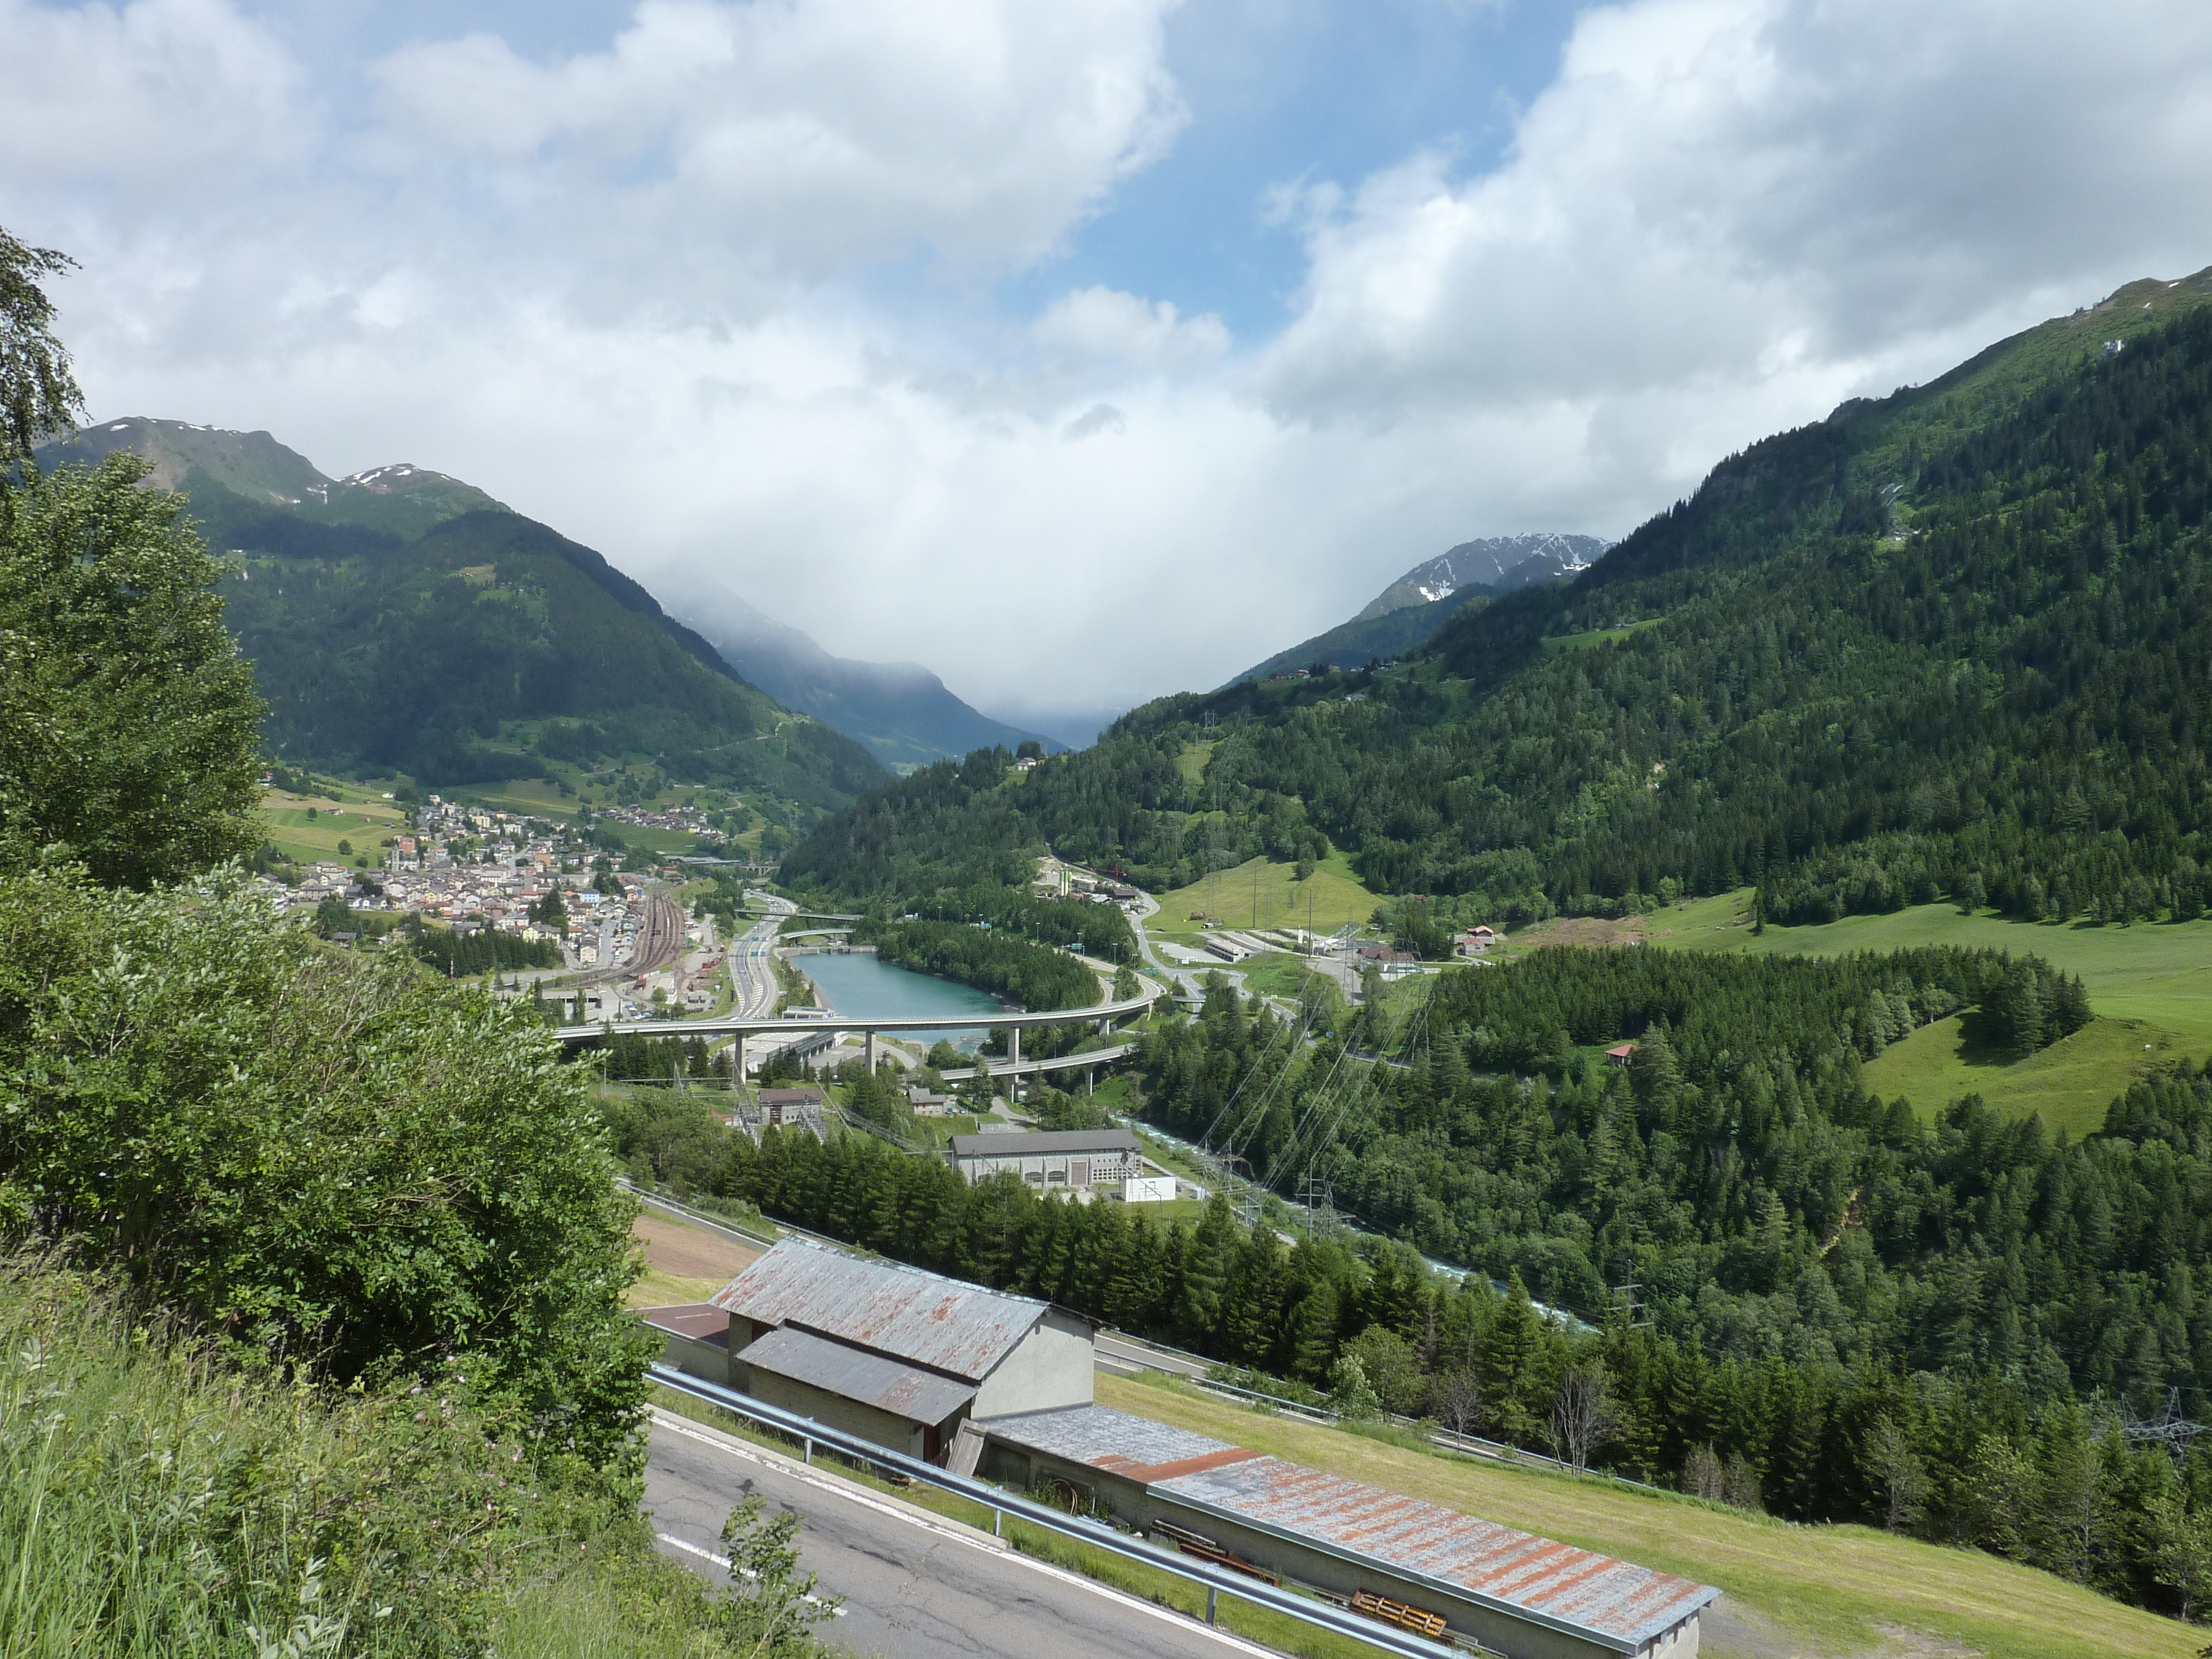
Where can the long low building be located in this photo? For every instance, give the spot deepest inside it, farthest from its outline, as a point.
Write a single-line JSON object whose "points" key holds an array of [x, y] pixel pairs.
{"points": [[1512, 1592], [900, 1356], [1069, 1160]]}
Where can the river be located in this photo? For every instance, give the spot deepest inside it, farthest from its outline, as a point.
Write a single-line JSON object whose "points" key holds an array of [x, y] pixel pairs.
{"points": [[860, 987]]}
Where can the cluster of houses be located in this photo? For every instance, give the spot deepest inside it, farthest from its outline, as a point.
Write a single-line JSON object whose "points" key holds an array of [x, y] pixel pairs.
{"points": [[463, 866], [687, 820]]}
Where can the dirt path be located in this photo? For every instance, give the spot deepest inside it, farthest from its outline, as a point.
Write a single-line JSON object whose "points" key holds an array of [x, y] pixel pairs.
{"points": [[685, 1252]]}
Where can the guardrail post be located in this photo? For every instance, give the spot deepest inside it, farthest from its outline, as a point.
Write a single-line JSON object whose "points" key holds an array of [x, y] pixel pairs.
{"points": [[1210, 1592], [810, 1449], [998, 1523]]}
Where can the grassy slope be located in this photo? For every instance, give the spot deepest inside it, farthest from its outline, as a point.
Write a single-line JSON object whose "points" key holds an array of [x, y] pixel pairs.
{"points": [[2151, 985], [1596, 636], [1277, 974], [2069, 1084], [1831, 1589], [367, 820], [1332, 895]]}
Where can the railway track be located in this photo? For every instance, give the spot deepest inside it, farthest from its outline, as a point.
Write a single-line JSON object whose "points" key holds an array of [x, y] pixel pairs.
{"points": [[659, 942]]}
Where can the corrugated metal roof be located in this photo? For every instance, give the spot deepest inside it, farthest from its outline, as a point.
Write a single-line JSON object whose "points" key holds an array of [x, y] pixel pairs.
{"points": [[1621, 1603], [1578, 1587], [702, 1322], [942, 1323], [907, 1391], [1044, 1143], [1108, 1439]]}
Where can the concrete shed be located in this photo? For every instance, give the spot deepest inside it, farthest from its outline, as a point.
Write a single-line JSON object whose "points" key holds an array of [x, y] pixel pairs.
{"points": [[888, 1352], [1524, 1596]]}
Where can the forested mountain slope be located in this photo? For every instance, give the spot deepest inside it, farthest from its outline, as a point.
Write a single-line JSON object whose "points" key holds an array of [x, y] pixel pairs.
{"points": [[1406, 616], [492, 645], [402, 620], [1955, 639]]}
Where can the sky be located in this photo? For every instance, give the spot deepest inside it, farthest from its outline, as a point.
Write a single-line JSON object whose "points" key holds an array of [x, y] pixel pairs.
{"points": [[1091, 350]]}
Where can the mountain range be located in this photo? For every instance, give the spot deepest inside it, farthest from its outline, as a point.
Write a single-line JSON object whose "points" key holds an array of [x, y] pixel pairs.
{"points": [[402, 621], [1413, 607], [900, 710], [254, 496], [1955, 641], [1501, 564]]}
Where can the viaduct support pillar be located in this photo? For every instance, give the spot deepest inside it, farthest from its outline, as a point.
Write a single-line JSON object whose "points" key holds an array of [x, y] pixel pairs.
{"points": [[1013, 1046], [868, 1039]]}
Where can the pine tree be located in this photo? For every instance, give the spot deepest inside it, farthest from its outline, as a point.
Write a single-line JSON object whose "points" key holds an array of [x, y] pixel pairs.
{"points": [[1513, 1369]]}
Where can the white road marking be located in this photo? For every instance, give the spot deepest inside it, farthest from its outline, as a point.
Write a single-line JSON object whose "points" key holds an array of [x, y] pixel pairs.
{"points": [[951, 1530]]}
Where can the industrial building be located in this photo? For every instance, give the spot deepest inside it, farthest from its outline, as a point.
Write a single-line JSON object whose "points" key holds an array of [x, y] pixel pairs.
{"points": [[1415, 1563], [891, 1352], [1067, 1159], [1001, 1386]]}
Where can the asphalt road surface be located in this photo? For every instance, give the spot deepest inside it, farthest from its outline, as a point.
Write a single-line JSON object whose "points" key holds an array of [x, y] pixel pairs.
{"points": [[916, 1587], [752, 964]]}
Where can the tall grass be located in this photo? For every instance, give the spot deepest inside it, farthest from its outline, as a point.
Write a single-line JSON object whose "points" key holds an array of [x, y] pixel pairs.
{"points": [[155, 1501]]}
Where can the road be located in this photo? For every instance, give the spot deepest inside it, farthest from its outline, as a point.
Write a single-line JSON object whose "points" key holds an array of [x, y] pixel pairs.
{"points": [[1125, 1354], [752, 964], [917, 1587], [1145, 905]]}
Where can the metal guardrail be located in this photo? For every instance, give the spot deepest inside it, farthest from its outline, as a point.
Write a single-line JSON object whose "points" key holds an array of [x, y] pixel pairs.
{"points": [[735, 1024], [1321, 1615], [1450, 1439]]}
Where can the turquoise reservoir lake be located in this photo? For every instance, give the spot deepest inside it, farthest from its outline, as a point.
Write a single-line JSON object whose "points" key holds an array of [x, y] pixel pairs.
{"points": [[860, 987]]}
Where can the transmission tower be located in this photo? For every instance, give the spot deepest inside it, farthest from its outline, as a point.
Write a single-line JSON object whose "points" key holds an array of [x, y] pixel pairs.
{"points": [[2169, 1428]]}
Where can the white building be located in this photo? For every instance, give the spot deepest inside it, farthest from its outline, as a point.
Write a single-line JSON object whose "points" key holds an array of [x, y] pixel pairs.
{"points": [[1065, 1159]]}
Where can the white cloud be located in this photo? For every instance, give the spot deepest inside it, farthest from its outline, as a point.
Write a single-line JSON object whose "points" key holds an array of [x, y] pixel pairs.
{"points": [[797, 140], [1094, 325], [1719, 194], [155, 101], [641, 292]]}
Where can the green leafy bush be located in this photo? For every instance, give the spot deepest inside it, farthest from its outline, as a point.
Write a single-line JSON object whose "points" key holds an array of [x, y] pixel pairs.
{"points": [[325, 1159]]}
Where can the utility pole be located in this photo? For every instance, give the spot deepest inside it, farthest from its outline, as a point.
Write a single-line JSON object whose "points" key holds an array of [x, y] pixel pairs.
{"points": [[1639, 1316]]}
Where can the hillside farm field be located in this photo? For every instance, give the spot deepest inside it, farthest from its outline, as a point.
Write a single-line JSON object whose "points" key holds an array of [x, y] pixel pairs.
{"points": [[1262, 889], [361, 820], [1791, 1589], [2150, 984]]}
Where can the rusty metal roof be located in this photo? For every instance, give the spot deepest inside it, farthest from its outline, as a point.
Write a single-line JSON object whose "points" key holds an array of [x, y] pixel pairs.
{"points": [[942, 1323], [1133, 1447], [907, 1391], [1619, 1604], [1597, 1594]]}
